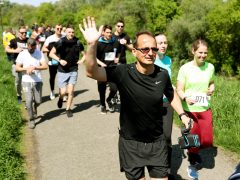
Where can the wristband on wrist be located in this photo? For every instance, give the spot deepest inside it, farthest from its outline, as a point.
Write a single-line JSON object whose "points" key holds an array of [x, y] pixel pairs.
{"points": [[182, 114]]}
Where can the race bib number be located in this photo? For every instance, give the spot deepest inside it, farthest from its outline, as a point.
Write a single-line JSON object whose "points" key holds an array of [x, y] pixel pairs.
{"points": [[110, 56], [201, 99]]}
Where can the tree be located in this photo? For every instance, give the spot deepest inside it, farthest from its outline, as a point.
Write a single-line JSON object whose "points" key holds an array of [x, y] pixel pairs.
{"points": [[188, 25], [160, 14], [224, 37]]}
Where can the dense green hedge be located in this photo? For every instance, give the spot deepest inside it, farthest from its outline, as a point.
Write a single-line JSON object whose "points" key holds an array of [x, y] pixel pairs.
{"points": [[11, 160]]}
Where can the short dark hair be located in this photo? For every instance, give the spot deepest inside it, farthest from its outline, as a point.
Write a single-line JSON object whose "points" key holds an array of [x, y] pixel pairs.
{"points": [[107, 27], [120, 21], [70, 26], [22, 27], [135, 44]]}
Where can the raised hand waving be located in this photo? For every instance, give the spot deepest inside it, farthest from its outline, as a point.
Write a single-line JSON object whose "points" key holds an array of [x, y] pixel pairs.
{"points": [[89, 30]]}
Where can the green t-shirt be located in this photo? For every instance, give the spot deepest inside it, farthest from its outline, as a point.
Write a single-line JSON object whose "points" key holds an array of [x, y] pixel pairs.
{"points": [[196, 82]]}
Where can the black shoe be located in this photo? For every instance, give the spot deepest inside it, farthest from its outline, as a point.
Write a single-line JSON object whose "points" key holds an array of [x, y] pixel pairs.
{"points": [[19, 98], [103, 110], [69, 113], [60, 103], [111, 106]]}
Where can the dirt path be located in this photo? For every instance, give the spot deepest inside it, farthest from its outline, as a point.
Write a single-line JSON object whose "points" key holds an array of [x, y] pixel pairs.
{"points": [[85, 146]]}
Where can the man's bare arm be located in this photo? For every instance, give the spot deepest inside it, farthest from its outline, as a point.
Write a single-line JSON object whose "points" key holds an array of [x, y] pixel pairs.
{"points": [[91, 35]]}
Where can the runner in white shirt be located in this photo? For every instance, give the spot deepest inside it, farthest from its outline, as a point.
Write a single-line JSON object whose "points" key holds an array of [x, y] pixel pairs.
{"points": [[30, 62]]}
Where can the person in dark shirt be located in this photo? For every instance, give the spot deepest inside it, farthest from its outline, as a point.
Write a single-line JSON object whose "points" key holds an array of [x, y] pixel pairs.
{"points": [[108, 55], [124, 40], [141, 87], [15, 47], [66, 51]]}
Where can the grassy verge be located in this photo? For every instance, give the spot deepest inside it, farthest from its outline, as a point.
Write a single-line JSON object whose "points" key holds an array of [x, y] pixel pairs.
{"points": [[11, 160]]}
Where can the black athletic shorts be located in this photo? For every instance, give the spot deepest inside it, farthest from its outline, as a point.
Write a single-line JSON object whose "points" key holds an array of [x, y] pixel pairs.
{"points": [[134, 156]]}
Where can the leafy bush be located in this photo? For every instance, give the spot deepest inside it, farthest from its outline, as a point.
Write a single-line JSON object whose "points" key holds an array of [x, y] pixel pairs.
{"points": [[11, 160]]}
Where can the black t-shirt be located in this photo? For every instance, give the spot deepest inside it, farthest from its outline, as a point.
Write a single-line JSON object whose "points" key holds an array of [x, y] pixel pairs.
{"points": [[123, 48], [69, 51], [141, 100], [48, 33], [107, 50], [17, 43]]}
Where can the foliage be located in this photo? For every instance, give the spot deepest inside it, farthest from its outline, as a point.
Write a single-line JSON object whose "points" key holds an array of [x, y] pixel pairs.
{"points": [[11, 161], [131, 11], [188, 25], [43, 12], [161, 14], [183, 21], [226, 114], [224, 37]]}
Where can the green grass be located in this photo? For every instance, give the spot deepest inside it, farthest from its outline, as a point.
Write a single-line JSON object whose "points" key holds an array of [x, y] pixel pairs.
{"points": [[11, 160], [226, 113]]}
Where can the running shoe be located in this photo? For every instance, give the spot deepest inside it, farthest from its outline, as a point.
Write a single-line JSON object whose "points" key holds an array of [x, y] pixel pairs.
{"points": [[60, 102], [192, 172], [31, 124], [65, 98], [103, 110], [52, 95], [111, 106], [69, 113]]}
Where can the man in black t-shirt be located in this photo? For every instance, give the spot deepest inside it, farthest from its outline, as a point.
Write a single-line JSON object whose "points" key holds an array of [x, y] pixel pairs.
{"points": [[15, 47], [141, 86], [107, 55], [124, 40], [66, 51]]}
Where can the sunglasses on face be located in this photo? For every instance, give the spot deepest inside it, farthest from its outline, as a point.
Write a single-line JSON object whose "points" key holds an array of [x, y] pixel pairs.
{"points": [[23, 32], [59, 29], [147, 49], [120, 26]]}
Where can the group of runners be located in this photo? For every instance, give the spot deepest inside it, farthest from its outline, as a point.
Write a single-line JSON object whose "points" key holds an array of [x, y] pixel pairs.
{"points": [[147, 96]]}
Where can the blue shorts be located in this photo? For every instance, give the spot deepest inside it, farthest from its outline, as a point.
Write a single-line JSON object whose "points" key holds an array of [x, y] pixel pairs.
{"points": [[65, 79], [135, 156]]}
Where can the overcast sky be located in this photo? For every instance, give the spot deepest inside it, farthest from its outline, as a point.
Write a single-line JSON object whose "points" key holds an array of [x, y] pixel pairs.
{"points": [[32, 2]]}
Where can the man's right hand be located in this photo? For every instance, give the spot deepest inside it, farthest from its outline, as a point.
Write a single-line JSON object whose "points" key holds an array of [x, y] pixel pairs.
{"points": [[63, 62], [18, 50], [90, 32]]}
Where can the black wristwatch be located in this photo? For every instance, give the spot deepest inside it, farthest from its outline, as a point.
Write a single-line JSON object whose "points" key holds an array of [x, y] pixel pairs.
{"points": [[182, 114]]}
